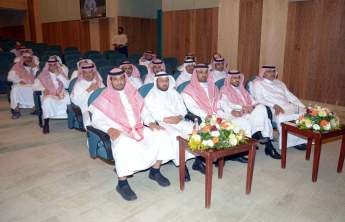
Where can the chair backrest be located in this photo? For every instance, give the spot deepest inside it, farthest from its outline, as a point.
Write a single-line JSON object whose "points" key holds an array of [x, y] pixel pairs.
{"points": [[108, 53], [6, 58], [71, 85], [135, 58], [115, 59], [142, 70], [72, 56], [177, 74], [145, 89], [103, 71], [170, 63], [181, 87], [96, 56], [249, 84], [91, 52], [72, 64], [94, 95], [220, 83], [70, 49], [101, 62]]}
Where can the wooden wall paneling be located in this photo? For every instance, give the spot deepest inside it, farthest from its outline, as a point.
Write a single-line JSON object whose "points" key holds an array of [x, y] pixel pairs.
{"points": [[67, 33], [206, 33], [249, 36], [190, 31], [315, 51], [141, 33]]}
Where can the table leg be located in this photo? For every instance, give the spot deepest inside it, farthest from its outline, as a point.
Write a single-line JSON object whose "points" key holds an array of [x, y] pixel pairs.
{"points": [[182, 150], [317, 152], [220, 167], [283, 146], [309, 144], [341, 156], [208, 182], [250, 168]]}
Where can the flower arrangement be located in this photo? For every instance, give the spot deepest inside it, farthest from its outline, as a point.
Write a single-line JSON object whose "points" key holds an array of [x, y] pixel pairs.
{"points": [[318, 118], [216, 133]]}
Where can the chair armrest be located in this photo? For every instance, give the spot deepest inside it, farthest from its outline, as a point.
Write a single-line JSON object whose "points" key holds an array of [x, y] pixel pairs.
{"points": [[191, 117], [103, 137]]}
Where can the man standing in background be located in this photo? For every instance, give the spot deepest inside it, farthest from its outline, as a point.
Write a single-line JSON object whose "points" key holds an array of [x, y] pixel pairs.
{"points": [[120, 42]]}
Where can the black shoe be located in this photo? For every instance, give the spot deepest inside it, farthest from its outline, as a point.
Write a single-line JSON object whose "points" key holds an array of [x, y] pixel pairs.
{"points": [[271, 151], [240, 159], [15, 115], [186, 175], [301, 147], [199, 166], [159, 178], [126, 192], [46, 126]]}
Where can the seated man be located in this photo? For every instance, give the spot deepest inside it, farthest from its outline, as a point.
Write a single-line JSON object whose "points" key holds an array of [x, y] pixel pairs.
{"points": [[146, 59], [120, 112], [132, 73], [88, 81], [187, 71], [187, 57], [218, 68], [75, 73], [53, 81], [21, 51], [155, 67], [236, 103], [271, 92], [22, 75], [201, 98], [17, 49], [167, 107]]}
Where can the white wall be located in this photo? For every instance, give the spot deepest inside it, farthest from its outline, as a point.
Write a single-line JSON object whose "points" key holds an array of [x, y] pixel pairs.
{"points": [[139, 8], [172, 5]]}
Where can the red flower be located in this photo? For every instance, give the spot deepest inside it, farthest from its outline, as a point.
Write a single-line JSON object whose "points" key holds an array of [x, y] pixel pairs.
{"points": [[214, 128], [219, 120]]}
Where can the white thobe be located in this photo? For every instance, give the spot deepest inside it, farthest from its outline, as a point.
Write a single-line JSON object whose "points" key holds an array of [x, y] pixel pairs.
{"points": [[136, 82], [194, 108], [166, 104], [217, 75], [130, 155], [120, 39], [80, 97], [53, 106], [144, 62], [257, 119], [183, 77], [275, 92], [21, 95]]}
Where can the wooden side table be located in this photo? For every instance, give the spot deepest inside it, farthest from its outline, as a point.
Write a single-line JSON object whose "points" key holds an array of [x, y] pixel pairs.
{"points": [[213, 155], [316, 136]]}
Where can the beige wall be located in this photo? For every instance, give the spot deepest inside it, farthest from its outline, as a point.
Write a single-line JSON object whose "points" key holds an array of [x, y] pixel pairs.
{"points": [[228, 29], [172, 5], [273, 32], [59, 10]]}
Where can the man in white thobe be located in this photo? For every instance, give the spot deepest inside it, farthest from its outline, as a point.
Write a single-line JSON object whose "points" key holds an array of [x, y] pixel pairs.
{"points": [[22, 75], [132, 73], [154, 67], [186, 72], [120, 112], [285, 106], [201, 97], [88, 81], [187, 57], [53, 81], [167, 107], [236, 103], [120, 41], [146, 59], [218, 68]]}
